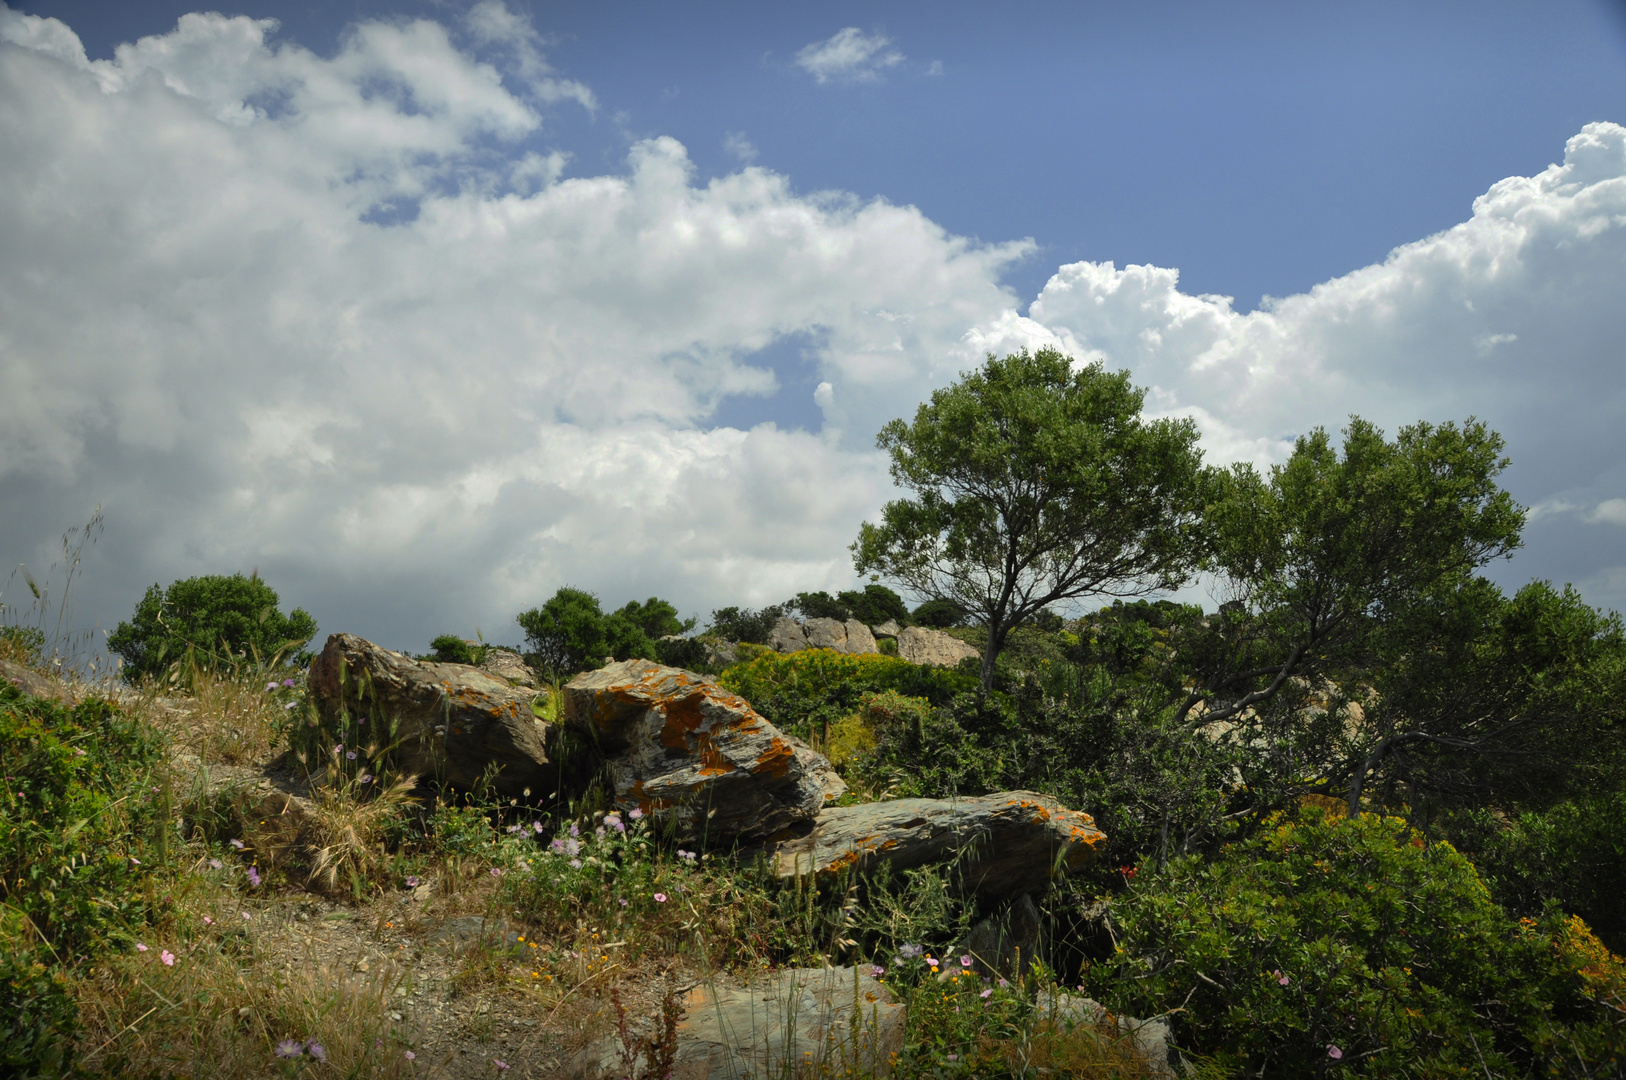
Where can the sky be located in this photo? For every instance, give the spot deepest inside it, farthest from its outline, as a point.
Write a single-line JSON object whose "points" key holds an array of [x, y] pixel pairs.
{"points": [[424, 310]]}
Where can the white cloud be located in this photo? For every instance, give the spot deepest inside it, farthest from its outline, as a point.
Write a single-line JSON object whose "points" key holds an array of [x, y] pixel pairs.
{"points": [[739, 147], [431, 425], [849, 55], [1610, 511]]}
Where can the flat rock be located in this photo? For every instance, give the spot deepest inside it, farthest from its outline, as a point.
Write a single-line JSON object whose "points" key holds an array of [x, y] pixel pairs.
{"points": [[1004, 844], [923, 645], [451, 721], [889, 628], [681, 747], [797, 1022], [510, 665]]}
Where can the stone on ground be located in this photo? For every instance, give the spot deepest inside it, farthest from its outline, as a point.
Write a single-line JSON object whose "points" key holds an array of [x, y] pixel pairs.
{"points": [[508, 664], [923, 645], [797, 1022], [681, 747], [850, 637], [1002, 844], [452, 722]]}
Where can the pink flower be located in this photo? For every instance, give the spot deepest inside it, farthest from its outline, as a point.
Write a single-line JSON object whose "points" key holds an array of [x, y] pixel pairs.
{"points": [[1280, 977], [314, 1049], [635, 813], [270, 686], [167, 957], [1334, 1053], [502, 1066], [410, 1056], [245, 915], [254, 877], [986, 992], [965, 961], [140, 947], [496, 871], [238, 844], [660, 898], [208, 921], [877, 970], [412, 881]]}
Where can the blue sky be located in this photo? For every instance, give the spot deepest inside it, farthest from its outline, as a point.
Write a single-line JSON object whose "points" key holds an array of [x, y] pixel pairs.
{"points": [[639, 281]]}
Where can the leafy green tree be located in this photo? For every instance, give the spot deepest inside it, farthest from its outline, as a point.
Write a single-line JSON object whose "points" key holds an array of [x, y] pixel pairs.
{"points": [[451, 649], [940, 614], [657, 618], [744, 624], [1036, 482], [571, 633], [222, 619]]}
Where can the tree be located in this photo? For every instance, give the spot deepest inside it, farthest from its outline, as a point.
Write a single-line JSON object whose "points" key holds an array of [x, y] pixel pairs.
{"points": [[571, 633], [1036, 481], [221, 619], [744, 624], [657, 618]]}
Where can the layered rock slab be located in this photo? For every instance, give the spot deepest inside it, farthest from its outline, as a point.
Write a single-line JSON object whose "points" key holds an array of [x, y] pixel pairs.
{"points": [[851, 636], [1000, 845], [681, 747], [451, 722], [923, 645], [793, 1023]]}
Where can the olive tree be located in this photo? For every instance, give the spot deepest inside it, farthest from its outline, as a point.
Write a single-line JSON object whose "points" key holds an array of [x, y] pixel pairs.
{"points": [[1036, 480]]}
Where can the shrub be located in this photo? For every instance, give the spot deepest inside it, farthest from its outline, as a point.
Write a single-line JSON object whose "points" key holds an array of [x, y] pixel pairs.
{"points": [[1351, 946], [38, 1019], [744, 624], [451, 649], [940, 614], [806, 692], [221, 620], [21, 644], [570, 633]]}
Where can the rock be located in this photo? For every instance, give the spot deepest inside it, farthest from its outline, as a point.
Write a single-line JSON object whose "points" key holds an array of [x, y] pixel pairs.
{"points": [[681, 746], [787, 636], [1150, 1037], [1006, 944], [860, 642], [451, 721], [720, 653], [1006, 843], [794, 1022], [923, 645], [826, 634], [887, 629], [34, 684], [851, 636], [510, 665]]}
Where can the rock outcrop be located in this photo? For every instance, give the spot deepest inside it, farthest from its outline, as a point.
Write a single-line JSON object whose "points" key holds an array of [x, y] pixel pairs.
{"points": [[1150, 1038], [1007, 943], [1000, 844], [508, 665], [923, 645], [851, 637], [794, 1022], [887, 629], [450, 721], [681, 747]]}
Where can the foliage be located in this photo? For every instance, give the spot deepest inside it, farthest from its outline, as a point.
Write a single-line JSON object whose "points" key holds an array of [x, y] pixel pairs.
{"points": [[38, 1017], [940, 614], [21, 644], [222, 620], [451, 649], [744, 624], [570, 632], [807, 691], [1351, 946], [872, 606], [1034, 483]]}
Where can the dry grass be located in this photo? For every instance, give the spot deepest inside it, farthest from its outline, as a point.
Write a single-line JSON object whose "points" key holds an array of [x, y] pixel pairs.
{"points": [[344, 831]]}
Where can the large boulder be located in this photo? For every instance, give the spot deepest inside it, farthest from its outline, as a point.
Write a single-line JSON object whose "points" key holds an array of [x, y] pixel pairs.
{"points": [[923, 645], [681, 747], [1001, 844], [851, 637], [793, 1022], [451, 722], [508, 665]]}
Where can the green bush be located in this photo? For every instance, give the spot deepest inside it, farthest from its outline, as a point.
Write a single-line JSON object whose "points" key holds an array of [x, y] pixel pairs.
{"points": [[940, 614], [744, 624], [1352, 947], [38, 1018], [805, 692], [21, 644], [221, 620], [571, 633], [451, 649]]}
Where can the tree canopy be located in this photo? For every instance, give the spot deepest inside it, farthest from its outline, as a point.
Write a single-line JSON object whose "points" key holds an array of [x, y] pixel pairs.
{"points": [[1036, 480], [571, 632], [222, 619]]}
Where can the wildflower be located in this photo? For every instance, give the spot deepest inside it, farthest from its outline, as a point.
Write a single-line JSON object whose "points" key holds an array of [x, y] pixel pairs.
{"points": [[512, 829], [365, 778], [254, 877], [291, 706], [167, 957], [288, 1048], [140, 947], [496, 871], [623, 903], [350, 755], [557, 845], [953, 1057], [208, 921], [215, 864], [909, 952], [876, 971], [412, 881], [965, 961], [574, 831], [1003, 983], [410, 1056], [635, 813], [270, 686], [337, 747], [314, 1049], [287, 682], [1280, 978], [660, 898], [572, 847], [500, 1063], [986, 992], [245, 915], [238, 844], [135, 860], [1334, 1053], [576, 863], [536, 825]]}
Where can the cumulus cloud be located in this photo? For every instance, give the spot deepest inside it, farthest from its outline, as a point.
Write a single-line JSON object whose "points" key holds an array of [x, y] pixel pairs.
{"points": [[848, 55], [431, 424]]}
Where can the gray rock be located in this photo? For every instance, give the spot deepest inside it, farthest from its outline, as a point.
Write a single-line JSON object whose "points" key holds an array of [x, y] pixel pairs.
{"points": [[791, 1023], [721, 653], [923, 645], [508, 664], [1003, 844], [826, 634], [860, 641], [787, 636], [889, 628], [681, 747], [1006, 944], [451, 721], [1151, 1037]]}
